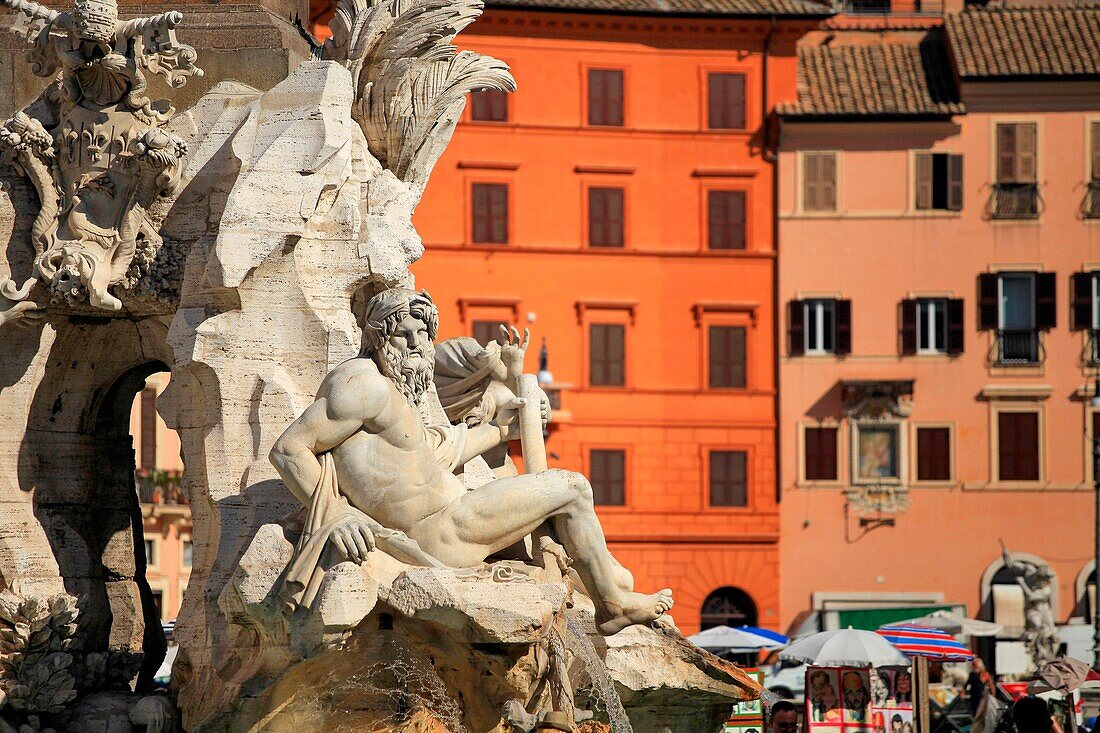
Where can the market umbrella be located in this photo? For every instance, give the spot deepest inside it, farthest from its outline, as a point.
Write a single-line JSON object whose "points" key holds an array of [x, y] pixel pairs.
{"points": [[925, 641], [952, 623], [845, 648], [746, 638], [1062, 673]]}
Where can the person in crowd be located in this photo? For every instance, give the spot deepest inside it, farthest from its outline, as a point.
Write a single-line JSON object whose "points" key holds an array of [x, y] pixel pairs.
{"points": [[1031, 715], [978, 684], [784, 717]]}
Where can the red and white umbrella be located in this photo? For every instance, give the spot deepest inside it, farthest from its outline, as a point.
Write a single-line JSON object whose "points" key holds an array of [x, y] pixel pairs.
{"points": [[925, 641]]}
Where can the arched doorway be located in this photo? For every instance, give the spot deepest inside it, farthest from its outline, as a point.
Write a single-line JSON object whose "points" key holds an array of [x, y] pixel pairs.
{"points": [[728, 606]]}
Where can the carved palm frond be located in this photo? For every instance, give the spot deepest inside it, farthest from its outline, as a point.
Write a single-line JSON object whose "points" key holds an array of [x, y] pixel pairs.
{"points": [[411, 82]]}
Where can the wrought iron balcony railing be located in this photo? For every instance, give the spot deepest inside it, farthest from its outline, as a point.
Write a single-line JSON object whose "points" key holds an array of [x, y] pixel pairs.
{"points": [[1015, 201], [1090, 207], [1018, 346]]}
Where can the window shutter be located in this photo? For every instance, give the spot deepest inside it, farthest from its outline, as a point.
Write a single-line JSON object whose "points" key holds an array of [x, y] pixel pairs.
{"points": [[605, 97], [726, 101], [725, 219], [615, 98], [149, 429], [955, 333], [1026, 169], [500, 214], [796, 324], [606, 342], [605, 217], [726, 356], [1006, 153], [608, 476], [481, 213], [728, 478], [811, 172], [820, 454], [1018, 446], [597, 354], [909, 327], [736, 226], [1095, 147], [616, 355], [490, 213], [954, 183], [827, 184], [1080, 307], [489, 105], [843, 327], [933, 454], [987, 301], [924, 180], [1046, 307]]}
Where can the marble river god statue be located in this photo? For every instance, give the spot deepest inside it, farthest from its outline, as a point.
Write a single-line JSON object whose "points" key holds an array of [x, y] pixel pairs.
{"points": [[365, 433], [367, 553]]}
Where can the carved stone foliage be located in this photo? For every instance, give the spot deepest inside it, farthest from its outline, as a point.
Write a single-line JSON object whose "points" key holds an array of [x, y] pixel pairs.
{"points": [[410, 82], [98, 155]]}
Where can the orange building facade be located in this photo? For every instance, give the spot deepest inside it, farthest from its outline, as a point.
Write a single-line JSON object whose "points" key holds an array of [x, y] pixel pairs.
{"points": [[627, 199]]}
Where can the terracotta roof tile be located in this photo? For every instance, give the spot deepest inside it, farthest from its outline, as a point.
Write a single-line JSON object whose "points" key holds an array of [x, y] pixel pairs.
{"points": [[992, 43], [809, 8], [898, 77]]}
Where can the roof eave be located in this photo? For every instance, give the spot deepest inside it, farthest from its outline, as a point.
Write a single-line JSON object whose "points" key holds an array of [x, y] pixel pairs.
{"points": [[869, 117], [808, 16]]}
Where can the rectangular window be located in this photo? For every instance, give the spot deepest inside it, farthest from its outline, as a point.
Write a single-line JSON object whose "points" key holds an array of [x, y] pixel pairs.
{"points": [[485, 331], [188, 553], [150, 553], [1016, 193], [1018, 446], [490, 213], [158, 603], [819, 454], [819, 182], [1084, 309], [729, 484], [939, 181], [489, 105], [820, 326], [605, 97], [726, 356], [607, 354], [933, 454], [605, 217], [608, 476], [726, 101], [725, 220], [932, 326], [1016, 318], [149, 429]]}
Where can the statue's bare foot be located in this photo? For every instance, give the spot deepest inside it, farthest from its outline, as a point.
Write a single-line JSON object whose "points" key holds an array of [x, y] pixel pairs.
{"points": [[631, 608]]}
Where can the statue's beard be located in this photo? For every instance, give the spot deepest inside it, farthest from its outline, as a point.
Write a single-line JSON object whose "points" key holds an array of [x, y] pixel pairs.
{"points": [[412, 376]]}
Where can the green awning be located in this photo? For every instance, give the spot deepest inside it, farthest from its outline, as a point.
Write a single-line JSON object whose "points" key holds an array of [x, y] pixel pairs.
{"points": [[874, 618]]}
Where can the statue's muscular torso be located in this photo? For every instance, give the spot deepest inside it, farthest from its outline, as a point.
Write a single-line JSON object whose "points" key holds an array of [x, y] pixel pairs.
{"points": [[388, 468]]}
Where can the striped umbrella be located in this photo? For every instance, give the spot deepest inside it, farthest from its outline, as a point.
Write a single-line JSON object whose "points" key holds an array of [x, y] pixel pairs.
{"points": [[925, 641]]}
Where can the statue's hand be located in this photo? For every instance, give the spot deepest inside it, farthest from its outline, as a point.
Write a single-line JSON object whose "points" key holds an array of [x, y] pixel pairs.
{"points": [[514, 350], [507, 418], [353, 539]]}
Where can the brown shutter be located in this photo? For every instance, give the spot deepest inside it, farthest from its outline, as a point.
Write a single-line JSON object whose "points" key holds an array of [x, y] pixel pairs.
{"points": [[608, 476], [933, 454], [1081, 303], [1046, 306], [500, 214], [485, 331], [489, 105], [605, 217], [955, 332], [987, 301], [725, 219], [820, 454], [908, 310], [843, 327], [954, 182], [480, 213], [1006, 153], [1026, 168], [924, 180], [728, 478], [726, 101], [1094, 146], [490, 213], [605, 97], [606, 342], [149, 429], [1018, 446], [827, 182], [811, 172], [796, 325], [726, 356]]}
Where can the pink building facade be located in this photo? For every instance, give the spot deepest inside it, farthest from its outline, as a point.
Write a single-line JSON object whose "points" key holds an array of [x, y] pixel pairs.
{"points": [[938, 300]]}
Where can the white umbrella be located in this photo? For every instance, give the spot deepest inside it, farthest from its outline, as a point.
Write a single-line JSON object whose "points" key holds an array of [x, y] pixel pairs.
{"points": [[845, 648], [955, 624], [726, 637]]}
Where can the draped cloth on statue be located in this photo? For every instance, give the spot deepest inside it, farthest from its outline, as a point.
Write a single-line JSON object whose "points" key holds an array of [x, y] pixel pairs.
{"points": [[328, 509], [463, 373]]}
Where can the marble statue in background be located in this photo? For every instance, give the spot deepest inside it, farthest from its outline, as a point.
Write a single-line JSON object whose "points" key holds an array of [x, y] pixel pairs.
{"points": [[1040, 631], [374, 472]]}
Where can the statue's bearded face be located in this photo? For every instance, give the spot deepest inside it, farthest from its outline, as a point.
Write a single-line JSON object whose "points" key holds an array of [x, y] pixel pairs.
{"points": [[408, 358]]}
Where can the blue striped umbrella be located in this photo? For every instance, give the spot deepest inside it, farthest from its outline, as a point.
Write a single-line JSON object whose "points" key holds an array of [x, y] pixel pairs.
{"points": [[925, 641]]}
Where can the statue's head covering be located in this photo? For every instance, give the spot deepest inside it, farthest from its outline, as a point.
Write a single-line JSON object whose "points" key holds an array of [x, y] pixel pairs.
{"points": [[463, 372], [95, 20], [386, 309]]}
